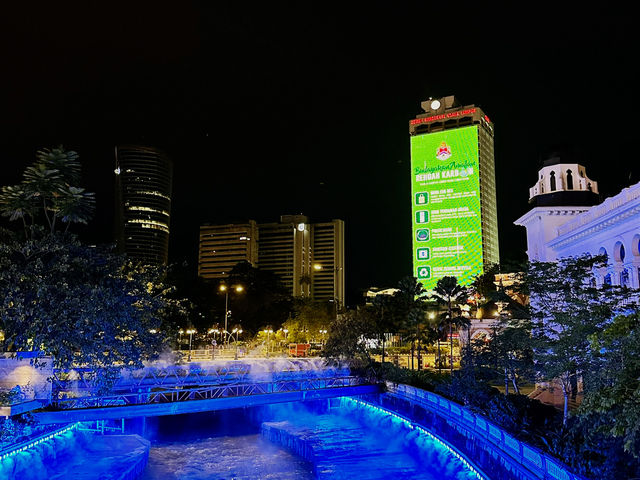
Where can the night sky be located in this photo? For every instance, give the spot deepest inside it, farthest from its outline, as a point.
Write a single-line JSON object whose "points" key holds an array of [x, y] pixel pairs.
{"points": [[304, 108]]}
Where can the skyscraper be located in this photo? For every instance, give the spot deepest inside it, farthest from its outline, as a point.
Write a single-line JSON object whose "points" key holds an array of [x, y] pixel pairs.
{"points": [[307, 257], [453, 192], [143, 203], [222, 247]]}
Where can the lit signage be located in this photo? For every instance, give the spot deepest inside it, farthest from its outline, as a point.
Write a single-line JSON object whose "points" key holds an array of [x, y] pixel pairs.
{"points": [[445, 198], [443, 116]]}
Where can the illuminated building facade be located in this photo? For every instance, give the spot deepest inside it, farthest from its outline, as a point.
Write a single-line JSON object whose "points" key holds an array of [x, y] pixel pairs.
{"points": [[307, 257], [143, 203], [453, 192], [568, 220]]}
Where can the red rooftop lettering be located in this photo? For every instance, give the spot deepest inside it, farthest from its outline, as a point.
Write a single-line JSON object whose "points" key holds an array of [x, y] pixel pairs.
{"points": [[433, 118]]}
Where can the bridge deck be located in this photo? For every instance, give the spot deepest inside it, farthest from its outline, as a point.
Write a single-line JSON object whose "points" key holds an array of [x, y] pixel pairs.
{"points": [[202, 398]]}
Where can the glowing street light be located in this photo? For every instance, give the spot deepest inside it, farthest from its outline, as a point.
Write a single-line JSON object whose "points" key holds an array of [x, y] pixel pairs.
{"points": [[237, 331], [268, 331], [190, 331], [180, 332], [224, 288]]}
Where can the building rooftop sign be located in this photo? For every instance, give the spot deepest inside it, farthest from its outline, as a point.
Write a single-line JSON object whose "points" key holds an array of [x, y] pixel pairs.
{"points": [[444, 116]]}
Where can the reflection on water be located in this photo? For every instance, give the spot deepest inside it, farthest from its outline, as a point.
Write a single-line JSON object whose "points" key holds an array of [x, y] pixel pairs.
{"points": [[245, 457]]}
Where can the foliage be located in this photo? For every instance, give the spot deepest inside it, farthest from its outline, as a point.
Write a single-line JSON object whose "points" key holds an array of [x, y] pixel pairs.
{"points": [[424, 379], [81, 305], [450, 294], [566, 309], [467, 388], [612, 384], [348, 336], [583, 446], [508, 354], [264, 300], [48, 193], [307, 320]]}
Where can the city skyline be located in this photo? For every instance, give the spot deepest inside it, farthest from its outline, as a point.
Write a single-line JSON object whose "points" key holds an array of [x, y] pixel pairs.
{"points": [[313, 120]]}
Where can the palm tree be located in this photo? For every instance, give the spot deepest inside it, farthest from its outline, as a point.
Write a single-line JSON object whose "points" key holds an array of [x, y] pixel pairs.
{"points": [[449, 293], [409, 304]]}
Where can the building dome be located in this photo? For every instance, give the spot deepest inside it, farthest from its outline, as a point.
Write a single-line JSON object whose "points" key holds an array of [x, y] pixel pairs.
{"points": [[563, 183]]}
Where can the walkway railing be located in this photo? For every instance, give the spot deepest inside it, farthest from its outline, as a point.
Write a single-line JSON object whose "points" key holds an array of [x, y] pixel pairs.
{"points": [[180, 394], [534, 460]]}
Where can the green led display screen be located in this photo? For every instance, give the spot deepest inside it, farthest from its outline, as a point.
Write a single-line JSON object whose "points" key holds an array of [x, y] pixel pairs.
{"points": [[445, 198]]}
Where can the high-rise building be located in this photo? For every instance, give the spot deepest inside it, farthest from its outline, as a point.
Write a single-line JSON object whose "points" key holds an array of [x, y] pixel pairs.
{"points": [[307, 257], [284, 248], [222, 247], [327, 260], [453, 192], [143, 203]]}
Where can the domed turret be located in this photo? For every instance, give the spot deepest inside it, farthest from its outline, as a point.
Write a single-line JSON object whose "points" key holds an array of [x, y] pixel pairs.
{"points": [[561, 183]]}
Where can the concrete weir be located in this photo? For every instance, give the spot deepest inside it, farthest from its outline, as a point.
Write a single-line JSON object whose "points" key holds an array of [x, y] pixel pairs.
{"points": [[81, 455]]}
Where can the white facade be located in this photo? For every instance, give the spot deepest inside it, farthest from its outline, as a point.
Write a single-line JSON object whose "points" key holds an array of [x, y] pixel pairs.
{"points": [[566, 177], [611, 228]]}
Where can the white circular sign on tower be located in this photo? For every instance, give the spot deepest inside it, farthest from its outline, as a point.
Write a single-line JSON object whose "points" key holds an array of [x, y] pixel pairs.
{"points": [[435, 105]]}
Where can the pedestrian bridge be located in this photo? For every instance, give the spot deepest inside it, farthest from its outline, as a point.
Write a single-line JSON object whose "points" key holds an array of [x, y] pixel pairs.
{"points": [[191, 388]]}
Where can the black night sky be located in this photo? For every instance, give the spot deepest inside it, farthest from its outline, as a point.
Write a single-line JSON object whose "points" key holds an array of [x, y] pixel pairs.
{"points": [[269, 110]]}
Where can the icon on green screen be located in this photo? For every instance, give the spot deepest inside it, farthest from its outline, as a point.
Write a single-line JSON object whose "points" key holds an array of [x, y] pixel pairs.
{"points": [[422, 216], [422, 235], [423, 253], [422, 198], [424, 272]]}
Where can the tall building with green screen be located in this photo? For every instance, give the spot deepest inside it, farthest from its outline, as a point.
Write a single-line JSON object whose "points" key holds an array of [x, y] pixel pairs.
{"points": [[453, 192]]}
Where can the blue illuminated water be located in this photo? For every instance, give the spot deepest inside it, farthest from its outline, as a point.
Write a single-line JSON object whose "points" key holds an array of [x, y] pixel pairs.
{"points": [[346, 439], [244, 457], [351, 442]]}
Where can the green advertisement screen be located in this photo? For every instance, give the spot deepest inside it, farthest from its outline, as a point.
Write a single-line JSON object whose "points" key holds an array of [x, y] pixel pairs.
{"points": [[445, 198]]}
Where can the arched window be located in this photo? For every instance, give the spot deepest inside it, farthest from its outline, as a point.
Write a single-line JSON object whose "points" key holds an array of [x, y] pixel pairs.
{"points": [[552, 180], [569, 180], [607, 279], [635, 245], [619, 252]]}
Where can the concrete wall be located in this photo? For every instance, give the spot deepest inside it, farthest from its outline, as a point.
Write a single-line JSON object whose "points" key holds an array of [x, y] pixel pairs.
{"points": [[17, 369]]}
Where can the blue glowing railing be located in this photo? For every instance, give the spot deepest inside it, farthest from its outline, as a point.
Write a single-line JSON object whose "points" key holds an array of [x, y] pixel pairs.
{"points": [[535, 460], [16, 448], [421, 430]]}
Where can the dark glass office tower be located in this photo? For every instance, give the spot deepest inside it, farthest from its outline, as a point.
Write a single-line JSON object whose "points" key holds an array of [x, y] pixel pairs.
{"points": [[143, 203]]}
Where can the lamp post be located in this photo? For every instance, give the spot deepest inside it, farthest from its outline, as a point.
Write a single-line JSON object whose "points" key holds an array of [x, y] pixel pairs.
{"points": [[180, 332], [225, 289], [237, 331], [323, 332], [190, 331], [268, 331]]}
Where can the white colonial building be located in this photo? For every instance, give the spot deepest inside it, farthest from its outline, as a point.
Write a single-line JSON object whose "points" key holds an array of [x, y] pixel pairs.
{"points": [[566, 221]]}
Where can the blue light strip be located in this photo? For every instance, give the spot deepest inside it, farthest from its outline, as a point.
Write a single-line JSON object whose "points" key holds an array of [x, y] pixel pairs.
{"points": [[21, 447], [414, 426]]}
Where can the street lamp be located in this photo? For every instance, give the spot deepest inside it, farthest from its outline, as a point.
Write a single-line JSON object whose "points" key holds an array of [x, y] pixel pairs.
{"points": [[237, 331], [225, 289], [190, 331], [180, 332], [268, 331], [323, 332]]}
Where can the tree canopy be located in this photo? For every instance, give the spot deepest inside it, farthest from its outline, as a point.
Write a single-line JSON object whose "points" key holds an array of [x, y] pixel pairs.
{"points": [[82, 305]]}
